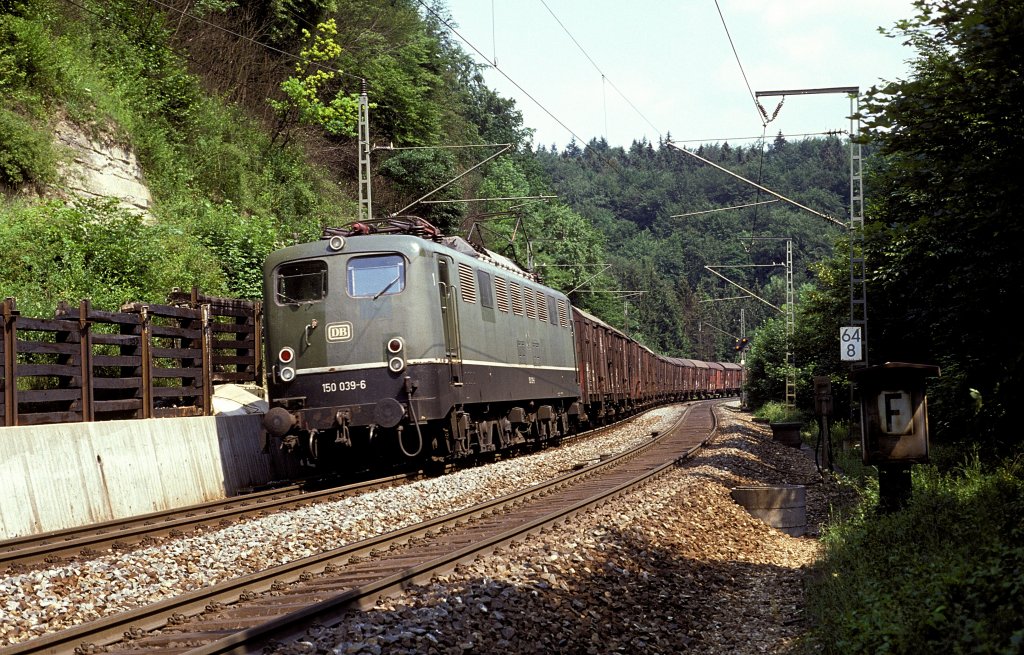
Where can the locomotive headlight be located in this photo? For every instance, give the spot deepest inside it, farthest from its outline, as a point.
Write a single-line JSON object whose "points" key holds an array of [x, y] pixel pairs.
{"points": [[287, 374], [336, 243], [395, 346], [286, 355]]}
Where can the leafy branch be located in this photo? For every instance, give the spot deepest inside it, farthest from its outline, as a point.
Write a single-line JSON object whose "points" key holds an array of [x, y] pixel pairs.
{"points": [[313, 96]]}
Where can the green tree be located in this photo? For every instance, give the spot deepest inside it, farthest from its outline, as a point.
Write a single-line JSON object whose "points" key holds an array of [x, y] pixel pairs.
{"points": [[945, 240], [313, 96], [54, 251], [415, 173]]}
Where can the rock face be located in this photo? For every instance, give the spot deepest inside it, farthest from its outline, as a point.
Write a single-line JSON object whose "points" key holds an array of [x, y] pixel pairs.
{"points": [[101, 169]]}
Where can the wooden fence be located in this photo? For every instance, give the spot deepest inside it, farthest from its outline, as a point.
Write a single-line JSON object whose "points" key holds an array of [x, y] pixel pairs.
{"points": [[145, 361]]}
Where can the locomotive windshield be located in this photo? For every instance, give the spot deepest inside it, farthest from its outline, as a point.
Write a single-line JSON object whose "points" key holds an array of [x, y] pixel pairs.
{"points": [[299, 282], [376, 276]]}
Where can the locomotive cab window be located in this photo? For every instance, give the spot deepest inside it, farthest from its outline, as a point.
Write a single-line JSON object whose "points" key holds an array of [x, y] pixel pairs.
{"points": [[375, 276], [483, 281], [552, 310], [301, 282]]}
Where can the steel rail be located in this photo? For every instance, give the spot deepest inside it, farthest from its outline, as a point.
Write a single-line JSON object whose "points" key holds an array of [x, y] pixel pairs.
{"points": [[132, 531], [190, 608], [28, 551], [326, 613]]}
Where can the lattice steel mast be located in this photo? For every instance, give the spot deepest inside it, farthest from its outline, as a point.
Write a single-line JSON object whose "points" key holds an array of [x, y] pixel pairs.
{"points": [[365, 201]]}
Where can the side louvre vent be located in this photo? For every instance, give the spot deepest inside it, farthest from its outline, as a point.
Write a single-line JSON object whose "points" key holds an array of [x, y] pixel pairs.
{"points": [[517, 298], [501, 289], [542, 306], [563, 314], [468, 283]]}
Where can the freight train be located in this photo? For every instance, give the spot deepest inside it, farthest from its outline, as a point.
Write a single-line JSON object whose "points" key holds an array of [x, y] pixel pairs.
{"points": [[387, 342]]}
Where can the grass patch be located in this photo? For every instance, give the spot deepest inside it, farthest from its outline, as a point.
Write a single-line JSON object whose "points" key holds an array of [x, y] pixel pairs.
{"points": [[776, 412], [944, 575]]}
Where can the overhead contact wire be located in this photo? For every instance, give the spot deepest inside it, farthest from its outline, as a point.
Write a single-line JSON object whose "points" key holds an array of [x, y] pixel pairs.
{"points": [[497, 68], [760, 110], [604, 78], [512, 81]]}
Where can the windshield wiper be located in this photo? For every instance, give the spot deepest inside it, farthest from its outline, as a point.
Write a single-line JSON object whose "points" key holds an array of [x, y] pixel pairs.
{"points": [[388, 286], [286, 300]]}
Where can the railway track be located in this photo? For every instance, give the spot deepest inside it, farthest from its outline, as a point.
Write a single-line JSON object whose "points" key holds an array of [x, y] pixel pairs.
{"points": [[24, 553], [244, 614]]}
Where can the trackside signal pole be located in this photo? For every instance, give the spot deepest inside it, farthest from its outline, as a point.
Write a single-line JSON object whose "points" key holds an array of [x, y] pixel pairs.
{"points": [[788, 309], [789, 312]]}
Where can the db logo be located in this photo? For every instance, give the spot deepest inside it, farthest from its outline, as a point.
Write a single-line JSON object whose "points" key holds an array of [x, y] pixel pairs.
{"points": [[339, 331]]}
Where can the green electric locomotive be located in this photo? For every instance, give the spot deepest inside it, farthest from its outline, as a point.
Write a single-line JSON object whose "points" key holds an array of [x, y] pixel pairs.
{"points": [[387, 341]]}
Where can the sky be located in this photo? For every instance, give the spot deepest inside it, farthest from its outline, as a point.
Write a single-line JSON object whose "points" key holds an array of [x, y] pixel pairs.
{"points": [[627, 70]]}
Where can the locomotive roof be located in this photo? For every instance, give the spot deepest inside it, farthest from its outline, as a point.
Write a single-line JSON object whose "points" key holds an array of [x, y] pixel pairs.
{"points": [[414, 226], [458, 244], [466, 248]]}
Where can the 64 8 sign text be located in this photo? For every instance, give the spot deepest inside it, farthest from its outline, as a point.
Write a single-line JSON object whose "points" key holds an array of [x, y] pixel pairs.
{"points": [[851, 344]]}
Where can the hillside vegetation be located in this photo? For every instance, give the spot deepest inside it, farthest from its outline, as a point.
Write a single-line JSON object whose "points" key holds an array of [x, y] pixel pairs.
{"points": [[243, 119], [242, 114]]}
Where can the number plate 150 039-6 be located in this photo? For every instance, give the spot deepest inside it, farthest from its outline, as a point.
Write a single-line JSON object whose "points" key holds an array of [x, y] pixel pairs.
{"points": [[344, 385]]}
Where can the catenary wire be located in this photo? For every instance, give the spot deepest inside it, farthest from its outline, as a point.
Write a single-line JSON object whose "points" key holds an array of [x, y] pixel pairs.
{"points": [[497, 68], [762, 115], [598, 69], [454, 31]]}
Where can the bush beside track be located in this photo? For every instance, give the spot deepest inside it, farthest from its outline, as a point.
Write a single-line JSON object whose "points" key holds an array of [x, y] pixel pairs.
{"points": [[944, 575]]}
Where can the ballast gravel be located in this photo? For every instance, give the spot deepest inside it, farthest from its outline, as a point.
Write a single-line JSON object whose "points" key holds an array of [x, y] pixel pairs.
{"points": [[50, 599], [674, 567]]}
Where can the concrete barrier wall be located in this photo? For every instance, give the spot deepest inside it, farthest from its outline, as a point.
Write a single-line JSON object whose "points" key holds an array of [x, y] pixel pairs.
{"points": [[64, 475]]}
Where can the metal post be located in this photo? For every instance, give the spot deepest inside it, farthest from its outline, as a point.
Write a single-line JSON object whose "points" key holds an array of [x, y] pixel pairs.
{"points": [[257, 345], [858, 275], [365, 201], [858, 278], [146, 353], [743, 361], [790, 328], [206, 359], [858, 283]]}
